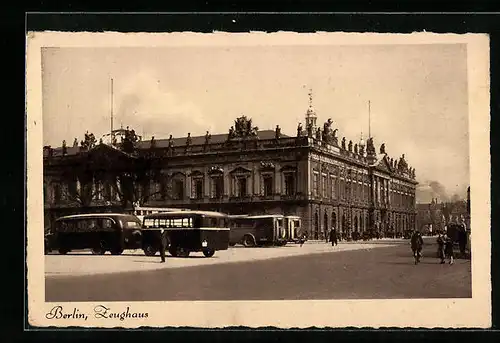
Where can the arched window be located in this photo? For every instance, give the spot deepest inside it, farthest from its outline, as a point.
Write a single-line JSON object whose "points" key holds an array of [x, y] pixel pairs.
{"points": [[356, 223], [325, 223], [334, 220]]}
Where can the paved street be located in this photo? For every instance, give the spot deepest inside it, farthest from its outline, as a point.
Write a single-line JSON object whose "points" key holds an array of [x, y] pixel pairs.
{"points": [[366, 270]]}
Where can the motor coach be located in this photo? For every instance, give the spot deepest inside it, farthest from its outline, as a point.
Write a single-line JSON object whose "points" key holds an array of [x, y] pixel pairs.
{"points": [[100, 232], [251, 231], [186, 232]]}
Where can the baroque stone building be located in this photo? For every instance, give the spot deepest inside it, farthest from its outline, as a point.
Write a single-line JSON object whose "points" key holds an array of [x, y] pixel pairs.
{"points": [[327, 183]]}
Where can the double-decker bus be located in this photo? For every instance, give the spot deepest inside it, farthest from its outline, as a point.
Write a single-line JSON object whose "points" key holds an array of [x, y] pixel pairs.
{"points": [[100, 232], [251, 231], [187, 231]]}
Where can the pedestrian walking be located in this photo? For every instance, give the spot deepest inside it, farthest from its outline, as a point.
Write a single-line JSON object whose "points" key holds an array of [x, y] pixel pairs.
{"points": [[163, 245], [416, 245], [448, 248], [333, 236], [302, 239], [440, 241]]}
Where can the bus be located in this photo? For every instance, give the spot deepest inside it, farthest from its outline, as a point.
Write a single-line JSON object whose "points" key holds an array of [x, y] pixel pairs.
{"points": [[293, 225], [100, 232], [257, 230], [140, 211], [186, 232]]}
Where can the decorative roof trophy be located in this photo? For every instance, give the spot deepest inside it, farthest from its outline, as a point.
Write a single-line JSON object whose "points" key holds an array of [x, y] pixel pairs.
{"points": [[242, 129]]}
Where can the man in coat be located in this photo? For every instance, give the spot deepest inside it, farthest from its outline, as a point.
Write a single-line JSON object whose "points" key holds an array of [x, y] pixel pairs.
{"points": [[163, 245], [440, 242], [333, 236], [416, 245]]}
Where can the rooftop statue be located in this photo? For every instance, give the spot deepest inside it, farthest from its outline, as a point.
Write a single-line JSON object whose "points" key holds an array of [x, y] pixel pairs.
{"points": [[343, 143], [349, 146], [278, 132], [208, 136], [356, 149], [309, 129], [299, 130], [382, 149], [361, 150], [370, 147], [75, 143], [318, 134], [402, 165], [153, 142], [231, 133]]}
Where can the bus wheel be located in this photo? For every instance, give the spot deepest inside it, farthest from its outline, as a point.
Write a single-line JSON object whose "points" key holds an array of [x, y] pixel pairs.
{"points": [[182, 252], [98, 251], [118, 251], [248, 241], [63, 251], [232, 244], [149, 250], [208, 252]]}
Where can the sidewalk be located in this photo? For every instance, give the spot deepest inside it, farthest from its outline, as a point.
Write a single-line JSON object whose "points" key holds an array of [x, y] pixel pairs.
{"points": [[84, 263]]}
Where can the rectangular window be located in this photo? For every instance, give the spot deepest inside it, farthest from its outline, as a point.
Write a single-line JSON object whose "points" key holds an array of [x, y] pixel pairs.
{"points": [[198, 188], [178, 188], [289, 183], [241, 186], [268, 184], [315, 184], [323, 186], [99, 190], [72, 188], [217, 186]]}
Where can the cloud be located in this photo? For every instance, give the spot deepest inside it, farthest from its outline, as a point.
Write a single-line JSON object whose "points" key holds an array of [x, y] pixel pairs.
{"points": [[148, 104]]}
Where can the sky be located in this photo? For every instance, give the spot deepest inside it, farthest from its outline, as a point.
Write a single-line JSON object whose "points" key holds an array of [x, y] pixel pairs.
{"points": [[418, 96]]}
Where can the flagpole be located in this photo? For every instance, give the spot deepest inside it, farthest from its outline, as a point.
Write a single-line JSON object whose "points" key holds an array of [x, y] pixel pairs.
{"points": [[111, 133], [369, 120]]}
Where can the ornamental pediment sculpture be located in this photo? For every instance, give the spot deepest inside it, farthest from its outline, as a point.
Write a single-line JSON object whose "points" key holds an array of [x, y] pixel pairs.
{"points": [[242, 128]]}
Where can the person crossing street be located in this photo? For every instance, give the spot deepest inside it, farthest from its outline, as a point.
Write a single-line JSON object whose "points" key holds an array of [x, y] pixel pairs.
{"points": [[416, 245], [333, 236]]}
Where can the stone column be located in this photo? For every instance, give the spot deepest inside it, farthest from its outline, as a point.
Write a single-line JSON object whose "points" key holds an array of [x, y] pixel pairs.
{"points": [[227, 181]]}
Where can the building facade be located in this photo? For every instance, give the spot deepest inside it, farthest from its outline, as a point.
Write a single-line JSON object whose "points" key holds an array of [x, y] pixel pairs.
{"points": [[327, 183]]}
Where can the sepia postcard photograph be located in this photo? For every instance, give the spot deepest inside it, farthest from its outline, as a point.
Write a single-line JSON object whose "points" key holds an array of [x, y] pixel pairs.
{"points": [[286, 180]]}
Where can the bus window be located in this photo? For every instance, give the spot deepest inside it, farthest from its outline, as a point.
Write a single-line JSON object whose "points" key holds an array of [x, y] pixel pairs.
{"points": [[107, 224], [131, 225], [280, 222], [187, 222], [149, 222]]}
